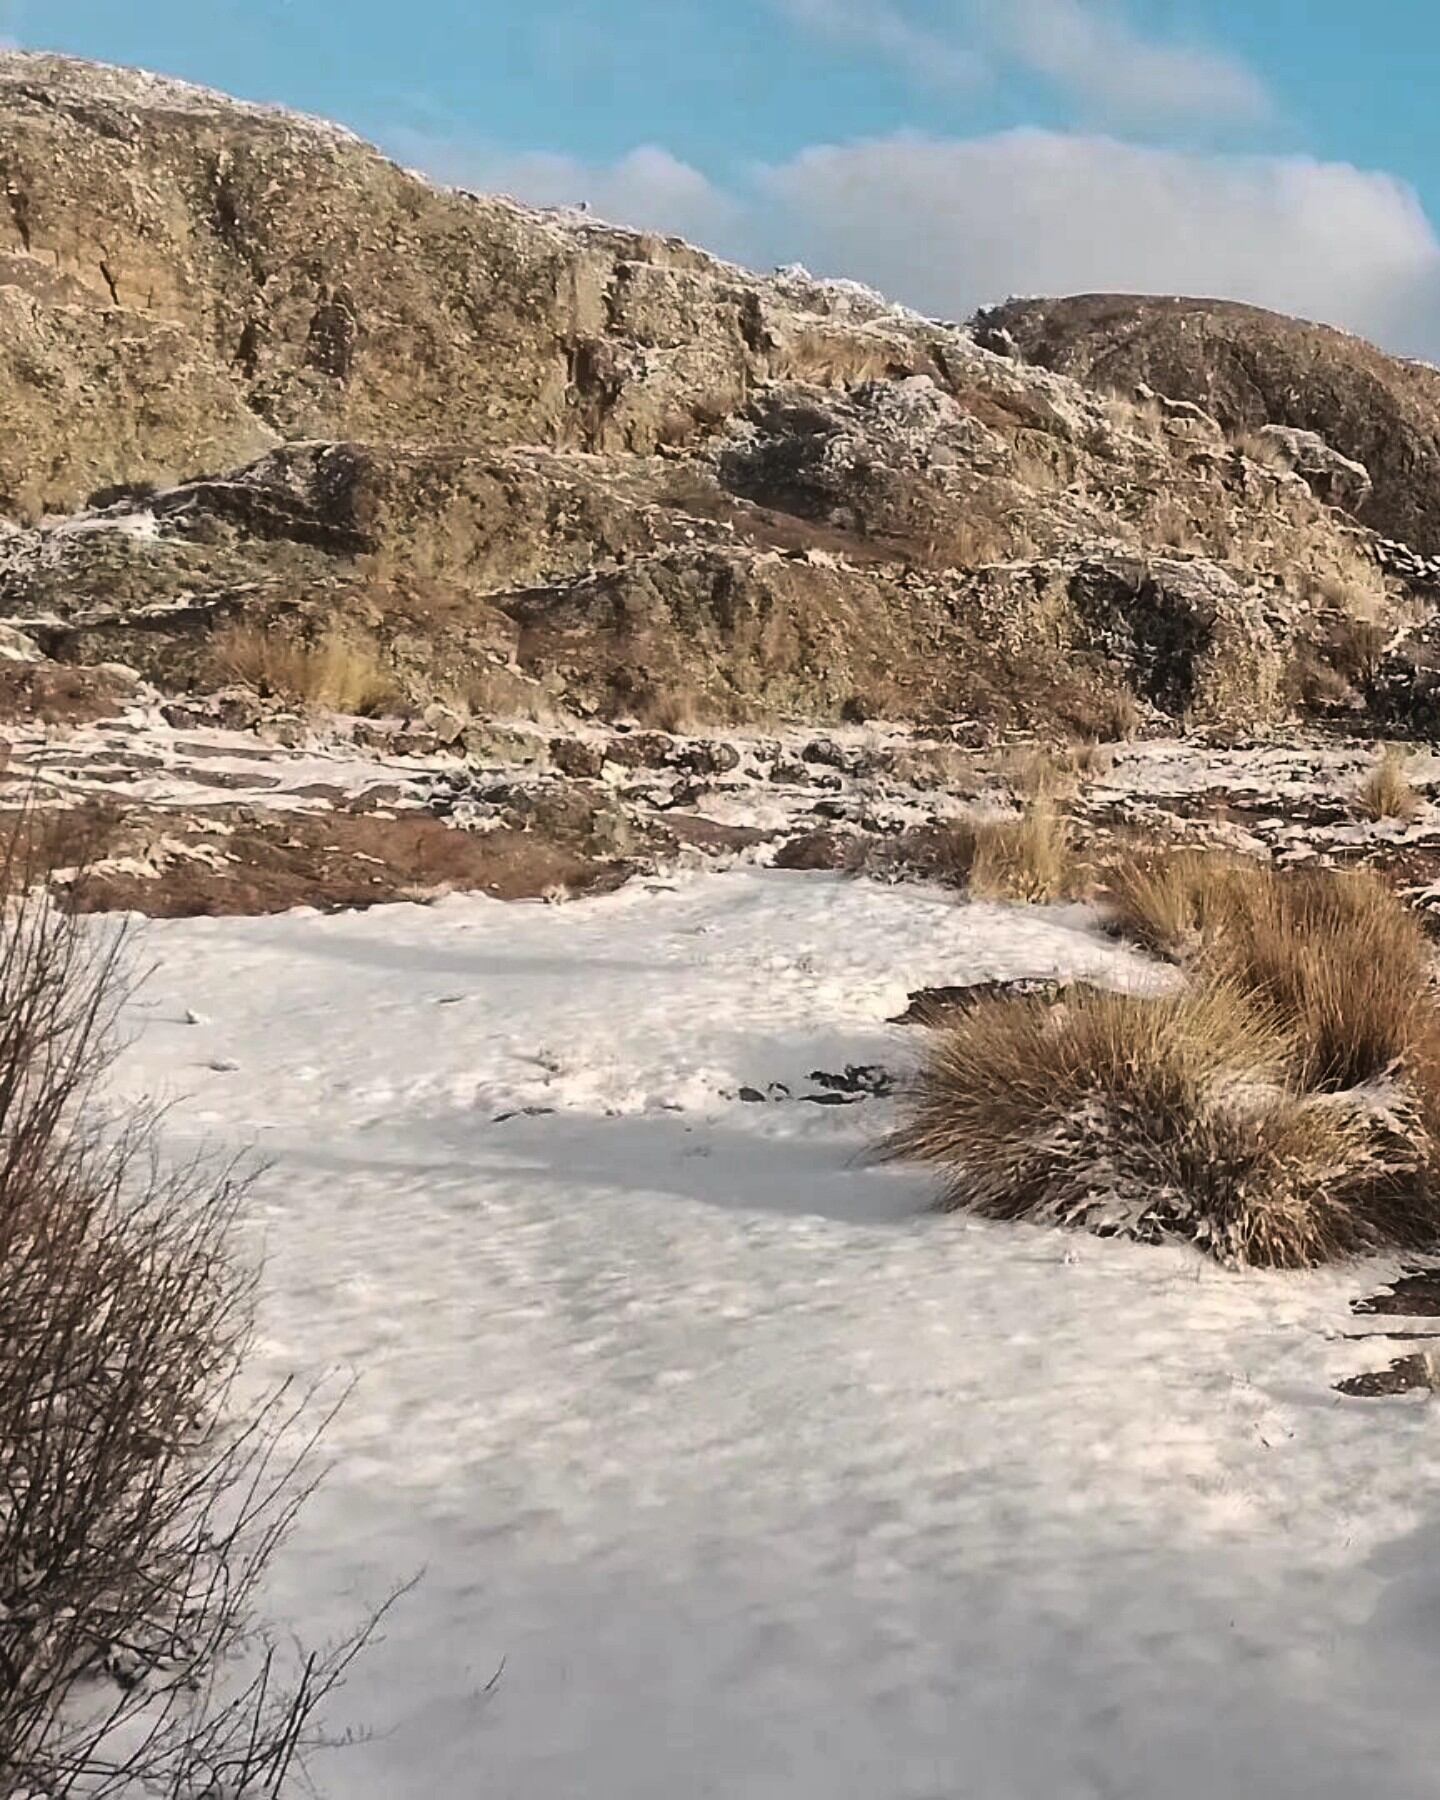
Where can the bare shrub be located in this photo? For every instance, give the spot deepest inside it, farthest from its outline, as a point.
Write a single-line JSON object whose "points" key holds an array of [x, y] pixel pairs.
{"points": [[1160, 1117], [1386, 792], [137, 1514], [340, 671]]}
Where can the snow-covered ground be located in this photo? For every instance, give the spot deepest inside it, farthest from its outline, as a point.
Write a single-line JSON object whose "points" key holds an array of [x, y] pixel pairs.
{"points": [[760, 1479]]}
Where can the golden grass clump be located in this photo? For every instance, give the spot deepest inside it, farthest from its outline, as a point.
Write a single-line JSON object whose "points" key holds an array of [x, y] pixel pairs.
{"points": [[1335, 952], [1167, 901], [1387, 792], [1039, 773], [1343, 961], [1280, 1109], [1158, 1117], [1028, 857], [935, 766], [339, 671]]}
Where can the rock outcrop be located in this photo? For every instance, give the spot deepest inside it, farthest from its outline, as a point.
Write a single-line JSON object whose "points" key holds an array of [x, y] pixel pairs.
{"points": [[254, 373], [1252, 369]]}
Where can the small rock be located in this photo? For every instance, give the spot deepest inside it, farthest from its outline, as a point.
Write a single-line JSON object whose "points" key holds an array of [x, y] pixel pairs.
{"points": [[641, 750], [574, 757], [826, 752], [499, 744], [814, 850], [447, 724], [707, 757]]}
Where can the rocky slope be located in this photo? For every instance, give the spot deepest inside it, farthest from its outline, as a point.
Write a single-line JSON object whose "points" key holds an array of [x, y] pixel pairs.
{"points": [[1251, 368], [256, 378]]}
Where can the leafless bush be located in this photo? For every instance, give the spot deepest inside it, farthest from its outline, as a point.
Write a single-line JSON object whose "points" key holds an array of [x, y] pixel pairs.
{"points": [[137, 1511]]}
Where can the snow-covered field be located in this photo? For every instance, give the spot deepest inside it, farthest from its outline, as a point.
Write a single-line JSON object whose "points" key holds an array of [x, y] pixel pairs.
{"points": [[759, 1479]]}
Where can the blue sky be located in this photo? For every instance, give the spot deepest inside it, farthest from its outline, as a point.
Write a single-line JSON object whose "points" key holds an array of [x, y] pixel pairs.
{"points": [[949, 150]]}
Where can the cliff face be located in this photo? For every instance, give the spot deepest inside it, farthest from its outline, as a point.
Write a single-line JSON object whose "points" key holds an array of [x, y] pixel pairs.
{"points": [[1251, 368], [599, 462]]}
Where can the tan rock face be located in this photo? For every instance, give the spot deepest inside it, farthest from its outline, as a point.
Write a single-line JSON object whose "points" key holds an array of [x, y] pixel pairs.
{"points": [[1252, 368], [541, 461], [90, 397], [327, 293]]}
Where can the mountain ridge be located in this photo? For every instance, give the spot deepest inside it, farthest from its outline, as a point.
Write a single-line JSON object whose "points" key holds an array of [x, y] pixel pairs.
{"points": [[260, 374]]}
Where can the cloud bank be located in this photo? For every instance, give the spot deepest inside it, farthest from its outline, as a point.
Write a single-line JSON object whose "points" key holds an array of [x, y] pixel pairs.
{"points": [[949, 224], [1087, 49]]}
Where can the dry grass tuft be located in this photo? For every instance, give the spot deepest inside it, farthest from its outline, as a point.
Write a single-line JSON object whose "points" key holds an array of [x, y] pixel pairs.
{"points": [[1341, 959], [935, 766], [1268, 452], [1335, 953], [1029, 858], [1281, 1110], [1152, 1118], [1167, 901], [1026, 858], [1038, 773], [339, 672], [490, 693], [1386, 792], [1047, 774], [1115, 717]]}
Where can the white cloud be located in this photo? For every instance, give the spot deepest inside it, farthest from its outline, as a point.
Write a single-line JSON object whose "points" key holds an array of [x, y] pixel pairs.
{"points": [[647, 187], [928, 54], [1087, 49], [948, 225], [1092, 52]]}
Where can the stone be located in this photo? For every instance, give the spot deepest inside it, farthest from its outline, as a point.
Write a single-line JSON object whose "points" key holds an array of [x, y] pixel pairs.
{"points": [[448, 725], [577, 758], [1337, 480]]}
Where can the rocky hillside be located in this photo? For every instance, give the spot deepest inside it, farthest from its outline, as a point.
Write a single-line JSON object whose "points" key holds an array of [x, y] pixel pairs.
{"points": [[263, 387], [1251, 368]]}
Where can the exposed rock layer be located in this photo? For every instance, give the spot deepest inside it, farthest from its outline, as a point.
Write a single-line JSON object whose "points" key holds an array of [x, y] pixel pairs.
{"points": [[539, 461]]}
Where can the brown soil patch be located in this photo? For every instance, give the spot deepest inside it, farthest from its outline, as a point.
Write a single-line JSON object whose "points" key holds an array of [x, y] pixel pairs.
{"points": [[69, 837], [330, 861], [58, 694]]}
